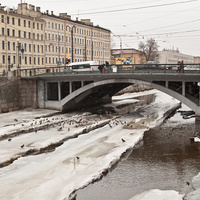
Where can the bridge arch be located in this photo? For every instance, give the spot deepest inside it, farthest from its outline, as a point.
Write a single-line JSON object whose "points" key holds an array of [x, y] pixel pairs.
{"points": [[108, 88]]}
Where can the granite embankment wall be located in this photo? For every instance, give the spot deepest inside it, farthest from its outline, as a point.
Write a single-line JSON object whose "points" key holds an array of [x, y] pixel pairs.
{"points": [[17, 94]]}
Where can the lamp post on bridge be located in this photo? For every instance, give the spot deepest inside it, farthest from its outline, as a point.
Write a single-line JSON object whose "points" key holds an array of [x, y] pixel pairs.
{"points": [[72, 42], [19, 48], [199, 91]]}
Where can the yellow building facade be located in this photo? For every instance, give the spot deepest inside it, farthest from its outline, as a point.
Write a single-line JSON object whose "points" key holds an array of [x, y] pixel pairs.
{"points": [[32, 39]]}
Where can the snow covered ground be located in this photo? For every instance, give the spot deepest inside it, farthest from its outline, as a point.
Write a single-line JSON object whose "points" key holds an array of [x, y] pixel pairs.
{"points": [[76, 149]]}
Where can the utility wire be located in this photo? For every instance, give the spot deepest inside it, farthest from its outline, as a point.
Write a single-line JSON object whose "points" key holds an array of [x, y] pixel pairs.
{"points": [[171, 25], [138, 8]]}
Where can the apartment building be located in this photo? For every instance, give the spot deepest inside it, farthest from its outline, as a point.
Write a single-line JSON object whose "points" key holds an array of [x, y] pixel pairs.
{"points": [[172, 57], [30, 38], [131, 56]]}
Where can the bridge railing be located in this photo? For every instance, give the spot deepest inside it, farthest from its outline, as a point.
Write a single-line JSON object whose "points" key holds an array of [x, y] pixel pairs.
{"points": [[136, 68]]}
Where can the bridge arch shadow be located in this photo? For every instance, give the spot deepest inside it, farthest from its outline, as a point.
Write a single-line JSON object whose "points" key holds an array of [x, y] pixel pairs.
{"points": [[100, 92]]}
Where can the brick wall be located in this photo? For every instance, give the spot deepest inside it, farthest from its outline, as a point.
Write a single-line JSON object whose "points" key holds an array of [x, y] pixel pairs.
{"points": [[17, 94]]}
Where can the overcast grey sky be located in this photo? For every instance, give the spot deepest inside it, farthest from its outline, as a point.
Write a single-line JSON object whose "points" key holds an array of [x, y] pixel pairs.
{"points": [[172, 23]]}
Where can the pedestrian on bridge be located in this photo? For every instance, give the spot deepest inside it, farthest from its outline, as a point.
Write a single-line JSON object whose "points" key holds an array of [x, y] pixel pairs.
{"points": [[178, 66], [100, 68], [182, 66]]}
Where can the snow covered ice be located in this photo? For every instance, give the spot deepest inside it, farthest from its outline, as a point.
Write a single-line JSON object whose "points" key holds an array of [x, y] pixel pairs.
{"points": [[86, 146]]}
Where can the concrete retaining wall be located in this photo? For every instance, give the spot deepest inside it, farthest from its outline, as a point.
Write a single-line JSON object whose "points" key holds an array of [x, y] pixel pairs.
{"points": [[17, 94]]}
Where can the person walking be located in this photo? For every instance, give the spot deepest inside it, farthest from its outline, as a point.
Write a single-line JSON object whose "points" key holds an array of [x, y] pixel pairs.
{"points": [[178, 66], [182, 66], [100, 68]]}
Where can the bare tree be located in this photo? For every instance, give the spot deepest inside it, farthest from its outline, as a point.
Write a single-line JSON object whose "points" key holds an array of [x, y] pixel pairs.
{"points": [[149, 49]]}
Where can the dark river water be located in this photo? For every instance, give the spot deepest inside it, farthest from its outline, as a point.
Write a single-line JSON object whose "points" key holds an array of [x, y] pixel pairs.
{"points": [[165, 159]]}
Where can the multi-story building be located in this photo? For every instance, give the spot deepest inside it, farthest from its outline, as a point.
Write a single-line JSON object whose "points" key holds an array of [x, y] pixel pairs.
{"points": [[172, 57], [30, 38], [126, 55]]}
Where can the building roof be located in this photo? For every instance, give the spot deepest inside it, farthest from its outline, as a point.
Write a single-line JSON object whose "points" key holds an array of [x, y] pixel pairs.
{"points": [[119, 51]]}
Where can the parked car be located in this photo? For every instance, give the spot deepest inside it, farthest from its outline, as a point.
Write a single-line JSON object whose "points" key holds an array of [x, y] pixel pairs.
{"points": [[150, 65], [192, 67]]}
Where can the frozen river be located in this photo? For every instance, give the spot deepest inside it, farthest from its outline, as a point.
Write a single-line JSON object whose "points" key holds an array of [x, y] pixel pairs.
{"points": [[50, 158]]}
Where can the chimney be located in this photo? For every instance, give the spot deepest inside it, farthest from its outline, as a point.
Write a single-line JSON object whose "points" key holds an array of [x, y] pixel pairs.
{"points": [[64, 16], [47, 12], [38, 9], [31, 7], [76, 18], [51, 12]]}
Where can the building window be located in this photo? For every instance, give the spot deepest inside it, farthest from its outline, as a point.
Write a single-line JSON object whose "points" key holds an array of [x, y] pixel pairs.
{"points": [[8, 20], [38, 60], [33, 24], [25, 47], [19, 22], [24, 34], [42, 61], [29, 24], [38, 36], [8, 45], [3, 59], [34, 60], [42, 37], [3, 45], [29, 35], [30, 60], [29, 47], [38, 48], [2, 18], [13, 33], [14, 59], [42, 49], [13, 21], [34, 48], [38, 25], [25, 60], [34, 36], [41, 26], [19, 33], [24, 23], [2, 31], [14, 46]]}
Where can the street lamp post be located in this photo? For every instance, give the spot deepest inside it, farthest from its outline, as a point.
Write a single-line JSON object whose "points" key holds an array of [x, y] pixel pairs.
{"points": [[72, 42], [121, 47], [18, 49]]}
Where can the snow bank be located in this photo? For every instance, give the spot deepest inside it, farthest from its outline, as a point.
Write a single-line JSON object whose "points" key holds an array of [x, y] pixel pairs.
{"points": [[158, 195], [195, 187], [79, 161]]}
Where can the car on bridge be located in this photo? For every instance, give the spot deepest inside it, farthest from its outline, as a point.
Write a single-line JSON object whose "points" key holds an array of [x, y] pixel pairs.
{"points": [[192, 67], [150, 65]]}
